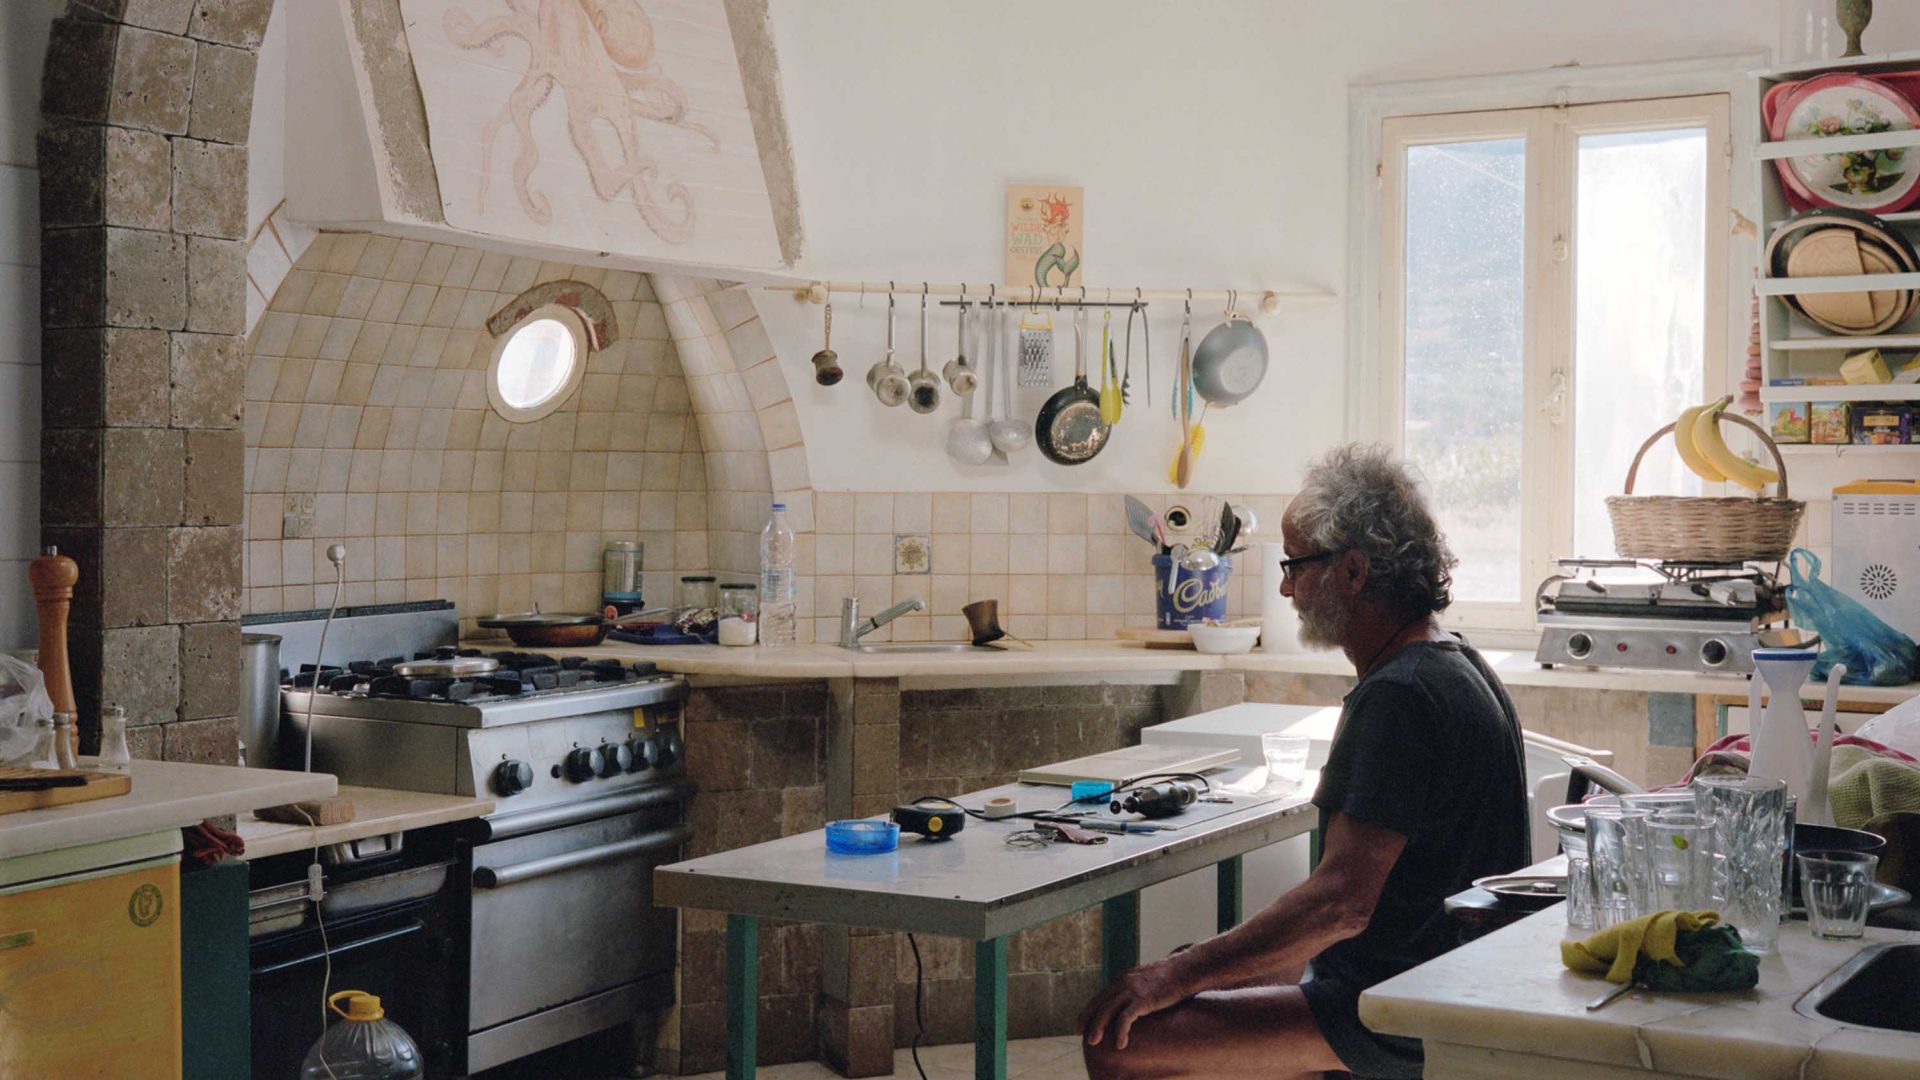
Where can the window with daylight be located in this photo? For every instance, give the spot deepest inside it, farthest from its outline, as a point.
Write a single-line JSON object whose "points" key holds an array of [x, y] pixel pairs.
{"points": [[1553, 289], [537, 363]]}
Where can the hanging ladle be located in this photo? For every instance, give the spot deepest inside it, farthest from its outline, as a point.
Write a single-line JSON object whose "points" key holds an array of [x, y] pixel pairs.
{"points": [[826, 362]]}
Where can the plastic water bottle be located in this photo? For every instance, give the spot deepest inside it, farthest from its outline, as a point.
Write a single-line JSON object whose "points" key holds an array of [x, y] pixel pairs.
{"points": [[364, 1045], [776, 580]]}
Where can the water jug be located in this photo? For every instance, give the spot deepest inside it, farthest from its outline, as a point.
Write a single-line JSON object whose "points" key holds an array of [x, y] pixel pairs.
{"points": [[364, 1045], [1782, 749]]}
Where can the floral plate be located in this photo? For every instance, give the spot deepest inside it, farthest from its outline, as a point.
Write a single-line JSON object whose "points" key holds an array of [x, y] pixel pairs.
{"points": [[1877, 181]]}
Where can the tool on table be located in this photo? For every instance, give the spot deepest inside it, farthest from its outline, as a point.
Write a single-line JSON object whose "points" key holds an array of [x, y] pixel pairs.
{"points": [[1610, 996], [1069, 833], [1164, 799], [934, 822]]}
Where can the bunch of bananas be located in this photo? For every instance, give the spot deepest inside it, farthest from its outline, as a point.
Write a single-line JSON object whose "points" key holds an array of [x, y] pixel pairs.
{"points": [[1696, 434]]}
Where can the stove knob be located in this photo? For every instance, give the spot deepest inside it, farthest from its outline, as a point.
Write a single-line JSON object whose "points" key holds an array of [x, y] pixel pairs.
{"points": [[670, 746], [645, 754], [512, 778], [615, 759], [583, 764]]}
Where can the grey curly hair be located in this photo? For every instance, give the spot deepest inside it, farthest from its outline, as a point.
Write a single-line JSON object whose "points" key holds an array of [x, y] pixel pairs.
{"points": [[1358, 498]]}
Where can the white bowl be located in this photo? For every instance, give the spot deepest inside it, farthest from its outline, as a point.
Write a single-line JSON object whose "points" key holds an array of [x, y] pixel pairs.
{"points": [[1223, 640]]}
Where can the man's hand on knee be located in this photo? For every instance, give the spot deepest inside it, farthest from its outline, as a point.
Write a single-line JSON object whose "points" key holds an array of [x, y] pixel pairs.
{"points": [[1137, 993]]}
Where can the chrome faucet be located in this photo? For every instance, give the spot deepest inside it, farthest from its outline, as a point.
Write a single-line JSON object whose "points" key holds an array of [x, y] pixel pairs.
{"points": [[852, 628]]}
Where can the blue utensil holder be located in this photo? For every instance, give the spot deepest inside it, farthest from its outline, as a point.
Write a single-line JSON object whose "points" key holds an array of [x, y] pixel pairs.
{"points": [[1197, 595]]}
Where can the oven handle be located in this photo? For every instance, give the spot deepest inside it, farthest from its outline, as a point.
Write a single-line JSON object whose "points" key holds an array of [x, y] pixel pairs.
{"points": [[499, 877], [413, 927], [504, 826]]}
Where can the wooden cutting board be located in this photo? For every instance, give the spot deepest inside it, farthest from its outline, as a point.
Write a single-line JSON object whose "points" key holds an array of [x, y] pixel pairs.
{"points": [[1154, 638], [98, 786]]}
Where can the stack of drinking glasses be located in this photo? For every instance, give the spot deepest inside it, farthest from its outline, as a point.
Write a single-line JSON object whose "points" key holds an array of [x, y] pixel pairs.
{"points": [[1747, 816]]}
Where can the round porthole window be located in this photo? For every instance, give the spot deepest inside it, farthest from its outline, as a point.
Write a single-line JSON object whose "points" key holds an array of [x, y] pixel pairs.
{"points": [[537, 364]]}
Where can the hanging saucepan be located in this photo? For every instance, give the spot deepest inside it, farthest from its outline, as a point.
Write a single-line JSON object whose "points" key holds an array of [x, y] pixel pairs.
{"points": [[1230, 362], [561, 630], [1070, 428]]}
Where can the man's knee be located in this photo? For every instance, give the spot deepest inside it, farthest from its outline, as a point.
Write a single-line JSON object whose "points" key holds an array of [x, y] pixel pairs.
{"points": [[1103, 1062]]}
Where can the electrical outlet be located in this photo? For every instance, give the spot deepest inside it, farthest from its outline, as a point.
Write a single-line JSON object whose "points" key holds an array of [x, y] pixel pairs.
{"points": [[296, 521]]}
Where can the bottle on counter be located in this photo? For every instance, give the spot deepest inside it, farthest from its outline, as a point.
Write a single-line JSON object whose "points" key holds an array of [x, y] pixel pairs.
{"points": [[777, 553], [44, 755], [114, 755], [64, 736]]}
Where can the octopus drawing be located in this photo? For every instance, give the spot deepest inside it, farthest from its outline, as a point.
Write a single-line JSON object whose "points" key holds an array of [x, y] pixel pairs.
{"points": [[600, 55]]}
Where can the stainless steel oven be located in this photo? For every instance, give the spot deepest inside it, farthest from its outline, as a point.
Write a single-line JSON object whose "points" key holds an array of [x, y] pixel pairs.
{"points": [[565, 938]]}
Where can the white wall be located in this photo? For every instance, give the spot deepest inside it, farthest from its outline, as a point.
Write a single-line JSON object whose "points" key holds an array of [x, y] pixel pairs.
{"points": [[1211, 140], [23, 47]]}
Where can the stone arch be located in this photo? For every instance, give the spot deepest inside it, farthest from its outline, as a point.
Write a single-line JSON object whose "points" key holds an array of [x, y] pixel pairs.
{"points": [[146, 106]]}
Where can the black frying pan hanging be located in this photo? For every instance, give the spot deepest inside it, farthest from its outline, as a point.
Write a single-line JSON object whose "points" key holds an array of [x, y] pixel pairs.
{"points": [[1070, 430]]}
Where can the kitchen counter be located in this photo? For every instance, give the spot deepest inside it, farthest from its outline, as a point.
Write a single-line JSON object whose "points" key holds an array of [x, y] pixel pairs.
{"points": [[376, 811], [1505, 1006], [1095, 657], [166, 795]]}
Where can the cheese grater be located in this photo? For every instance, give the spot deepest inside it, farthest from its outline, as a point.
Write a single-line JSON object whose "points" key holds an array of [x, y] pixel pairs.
{"points": [[1036, 349]]}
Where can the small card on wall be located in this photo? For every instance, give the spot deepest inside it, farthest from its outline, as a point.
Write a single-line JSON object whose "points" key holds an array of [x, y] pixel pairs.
{"points": [[1044, 223]]}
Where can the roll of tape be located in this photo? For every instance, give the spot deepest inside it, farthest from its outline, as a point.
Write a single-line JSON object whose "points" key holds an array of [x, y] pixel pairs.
{"points": [[1000, 807]]}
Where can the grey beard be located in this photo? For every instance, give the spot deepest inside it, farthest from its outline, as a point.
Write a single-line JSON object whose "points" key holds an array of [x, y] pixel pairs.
{"points": [[1324, 625]]}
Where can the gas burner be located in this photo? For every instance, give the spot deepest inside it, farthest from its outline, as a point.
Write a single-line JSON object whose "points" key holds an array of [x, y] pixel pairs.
{"points": [[1677, 615]]}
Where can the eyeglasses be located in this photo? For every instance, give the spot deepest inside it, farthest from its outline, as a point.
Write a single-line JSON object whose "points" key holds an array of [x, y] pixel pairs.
{"points": [[1288, 566]]}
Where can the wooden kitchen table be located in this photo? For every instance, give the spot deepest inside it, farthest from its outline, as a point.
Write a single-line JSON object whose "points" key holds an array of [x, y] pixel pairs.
{"points": [[973, 886]]}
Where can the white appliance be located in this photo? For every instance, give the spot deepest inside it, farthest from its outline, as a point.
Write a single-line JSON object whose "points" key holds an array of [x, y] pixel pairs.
{"points": [[1181, 911], [1876, 549]]}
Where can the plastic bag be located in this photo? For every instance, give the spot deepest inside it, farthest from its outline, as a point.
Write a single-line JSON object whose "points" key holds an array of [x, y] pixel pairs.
{"points": [[1875, 654], [23, 702]]}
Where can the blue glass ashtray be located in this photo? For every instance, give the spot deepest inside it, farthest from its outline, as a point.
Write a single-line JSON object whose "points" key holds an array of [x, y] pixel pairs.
{"points": [[862, 837]]}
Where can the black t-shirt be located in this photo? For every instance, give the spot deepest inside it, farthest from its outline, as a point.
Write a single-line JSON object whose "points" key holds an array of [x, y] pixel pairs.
{"points": [[1428, 746]]}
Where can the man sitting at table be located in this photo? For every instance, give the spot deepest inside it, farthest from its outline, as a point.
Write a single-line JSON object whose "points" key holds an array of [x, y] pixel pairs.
{"points": [[1423, 792]]}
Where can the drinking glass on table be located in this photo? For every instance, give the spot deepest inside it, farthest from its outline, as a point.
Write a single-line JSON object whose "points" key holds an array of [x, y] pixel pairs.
{"points": [[1749, 842], [1286, 760], [1836, 886], [1679, 861], [1617, 851], [1579, 879]]}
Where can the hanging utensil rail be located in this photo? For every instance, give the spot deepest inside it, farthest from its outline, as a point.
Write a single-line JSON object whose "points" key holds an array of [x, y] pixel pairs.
{"points": [[1061, 295]]}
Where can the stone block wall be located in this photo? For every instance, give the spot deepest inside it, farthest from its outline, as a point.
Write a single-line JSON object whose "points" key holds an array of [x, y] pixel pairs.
{"points": [[143, 214], [759, 756]]}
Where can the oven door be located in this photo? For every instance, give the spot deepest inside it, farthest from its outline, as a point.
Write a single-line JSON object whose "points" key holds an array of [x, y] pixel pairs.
{"points": [[567, 913]]}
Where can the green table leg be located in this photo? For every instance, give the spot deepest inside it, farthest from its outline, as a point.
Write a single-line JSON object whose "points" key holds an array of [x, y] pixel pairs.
{"points": [[1119, 935], [1227, 894], [743, 994], [990, 1010], [1720, 719]]}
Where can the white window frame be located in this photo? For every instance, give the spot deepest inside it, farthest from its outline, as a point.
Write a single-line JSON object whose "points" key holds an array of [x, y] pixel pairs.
{"points": [[1718, 93], [576, 328]]}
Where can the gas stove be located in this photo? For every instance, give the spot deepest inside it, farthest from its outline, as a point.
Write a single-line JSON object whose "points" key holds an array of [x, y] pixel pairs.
{"points": [[1665, 616], [435, 687]]}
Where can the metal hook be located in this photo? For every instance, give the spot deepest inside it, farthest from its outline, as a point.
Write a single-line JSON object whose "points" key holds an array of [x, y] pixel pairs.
{"points": [[1188, 306]]}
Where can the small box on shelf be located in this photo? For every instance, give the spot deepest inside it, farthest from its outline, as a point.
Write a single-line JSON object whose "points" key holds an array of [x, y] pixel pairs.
{"points": [[1865, 367], [1787, 421], [1882, 424], [1828, 423]]}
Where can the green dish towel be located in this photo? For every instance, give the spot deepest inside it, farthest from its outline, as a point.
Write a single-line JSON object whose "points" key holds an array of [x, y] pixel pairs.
{"points": [[1686, 951]]}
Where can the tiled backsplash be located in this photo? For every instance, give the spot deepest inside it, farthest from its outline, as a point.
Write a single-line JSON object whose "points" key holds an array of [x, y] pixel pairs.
{"points": [[366, 395], [1061, 565]]}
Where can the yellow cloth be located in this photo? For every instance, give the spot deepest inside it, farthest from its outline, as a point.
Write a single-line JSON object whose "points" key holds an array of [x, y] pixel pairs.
{"points": [[1613, 952]]}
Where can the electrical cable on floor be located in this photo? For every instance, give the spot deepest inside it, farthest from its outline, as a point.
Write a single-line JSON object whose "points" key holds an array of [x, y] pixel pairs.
{"points": [[919, 1013], [326, 949]]}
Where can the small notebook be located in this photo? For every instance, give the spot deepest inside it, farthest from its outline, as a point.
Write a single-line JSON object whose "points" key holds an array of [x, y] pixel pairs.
{"points": [[1133, 761]]}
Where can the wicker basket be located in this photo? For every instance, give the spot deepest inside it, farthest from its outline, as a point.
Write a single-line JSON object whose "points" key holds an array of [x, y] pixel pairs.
{"points": [[1695, 529]]}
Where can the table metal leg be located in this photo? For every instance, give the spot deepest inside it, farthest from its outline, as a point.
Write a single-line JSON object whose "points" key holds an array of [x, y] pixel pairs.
{"points": [[743, 995], [1227, 894], [1119, 935], [990, 1009], [1314, 840]]}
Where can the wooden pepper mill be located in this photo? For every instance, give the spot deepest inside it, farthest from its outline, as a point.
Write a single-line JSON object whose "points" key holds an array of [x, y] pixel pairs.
{"points": [[53, 576]]}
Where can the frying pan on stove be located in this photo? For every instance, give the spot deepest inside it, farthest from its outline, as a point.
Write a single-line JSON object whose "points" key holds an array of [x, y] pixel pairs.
{"points": [[562, 630], [1070, 429]]}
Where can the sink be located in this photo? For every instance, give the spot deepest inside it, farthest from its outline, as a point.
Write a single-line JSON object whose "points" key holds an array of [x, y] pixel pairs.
{"points": [[926, 647], [1874, 989]]}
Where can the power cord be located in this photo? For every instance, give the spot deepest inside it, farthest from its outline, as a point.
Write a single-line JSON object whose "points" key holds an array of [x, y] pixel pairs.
{"points": [[919, 1011], [337, 555]]}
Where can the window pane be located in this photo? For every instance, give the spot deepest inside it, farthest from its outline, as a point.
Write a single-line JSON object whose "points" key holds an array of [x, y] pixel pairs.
{"points": [[535, 363], [1640, 314], [1465, 268]]}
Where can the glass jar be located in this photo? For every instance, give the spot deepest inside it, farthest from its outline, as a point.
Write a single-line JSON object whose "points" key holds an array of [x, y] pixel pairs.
{"points": [[621, 563], [698, 592], [114, 755], [739, 613]]}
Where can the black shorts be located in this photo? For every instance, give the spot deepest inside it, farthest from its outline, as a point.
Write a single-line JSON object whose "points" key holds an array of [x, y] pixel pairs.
{"points": [[1335, 1004]]}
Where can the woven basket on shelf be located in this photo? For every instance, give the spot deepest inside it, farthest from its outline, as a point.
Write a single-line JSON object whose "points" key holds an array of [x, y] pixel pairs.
{"points": [[1698, 529]]}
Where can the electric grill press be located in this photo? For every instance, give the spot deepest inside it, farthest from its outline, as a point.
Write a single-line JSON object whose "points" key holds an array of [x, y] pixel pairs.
{"points": [[1663, 616]]}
